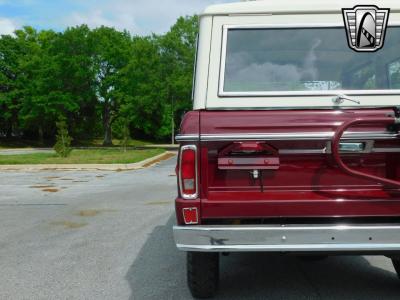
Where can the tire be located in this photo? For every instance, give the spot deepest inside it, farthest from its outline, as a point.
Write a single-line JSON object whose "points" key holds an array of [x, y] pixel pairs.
{"points": [[396, 265], [203, 274]]}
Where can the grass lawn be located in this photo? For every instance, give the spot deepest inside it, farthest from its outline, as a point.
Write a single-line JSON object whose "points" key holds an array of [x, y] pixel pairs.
{"points": [[116, 143], [99, 156]]}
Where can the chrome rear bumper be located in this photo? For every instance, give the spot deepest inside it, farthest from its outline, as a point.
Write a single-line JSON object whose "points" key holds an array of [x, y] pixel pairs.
{"points": [[289, 238]]}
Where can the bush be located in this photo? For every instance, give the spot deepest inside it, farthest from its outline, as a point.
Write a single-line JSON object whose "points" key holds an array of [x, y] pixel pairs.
{"points": [[63, 140]]}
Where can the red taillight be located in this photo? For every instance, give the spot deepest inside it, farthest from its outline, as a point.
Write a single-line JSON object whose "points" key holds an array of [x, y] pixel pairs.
{"points": [[188, 172], [190, 216]]}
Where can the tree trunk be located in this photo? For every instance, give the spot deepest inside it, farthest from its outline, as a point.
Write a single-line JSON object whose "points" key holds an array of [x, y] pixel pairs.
{"points": [[172, 122], [172, 130], [107, 136], [9, 131], [41, 135], [107, 126]]}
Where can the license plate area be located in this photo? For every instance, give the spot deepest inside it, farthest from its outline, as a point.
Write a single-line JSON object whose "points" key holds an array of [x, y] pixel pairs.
{"points": [[248, 156]]}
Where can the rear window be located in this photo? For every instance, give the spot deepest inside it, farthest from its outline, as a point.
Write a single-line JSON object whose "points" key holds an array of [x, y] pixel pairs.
{"points": [[272, 61]]}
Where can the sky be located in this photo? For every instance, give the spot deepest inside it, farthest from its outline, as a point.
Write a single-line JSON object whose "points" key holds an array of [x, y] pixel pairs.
{"points": [[137, 16]]}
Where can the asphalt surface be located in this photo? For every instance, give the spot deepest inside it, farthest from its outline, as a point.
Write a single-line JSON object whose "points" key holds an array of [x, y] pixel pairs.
{"points": [[25, 151], [107, 235]]}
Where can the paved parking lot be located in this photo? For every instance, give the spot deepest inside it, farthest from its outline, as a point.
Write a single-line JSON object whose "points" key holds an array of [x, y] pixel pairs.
{"points": [[107, 235], [25, 151]]}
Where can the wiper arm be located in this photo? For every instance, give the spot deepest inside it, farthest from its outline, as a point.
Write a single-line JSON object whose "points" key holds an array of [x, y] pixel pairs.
{"points": [[339, 99]]}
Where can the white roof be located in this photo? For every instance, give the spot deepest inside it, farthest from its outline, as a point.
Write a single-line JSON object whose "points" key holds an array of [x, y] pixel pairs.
{"points": [[295, 6]]}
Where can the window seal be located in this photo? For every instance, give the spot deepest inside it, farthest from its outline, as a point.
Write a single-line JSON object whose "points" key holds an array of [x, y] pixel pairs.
{"points": [[223, 94]]}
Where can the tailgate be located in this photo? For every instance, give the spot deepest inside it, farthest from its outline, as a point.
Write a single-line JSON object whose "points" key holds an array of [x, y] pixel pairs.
{"points": [[260, 164]]}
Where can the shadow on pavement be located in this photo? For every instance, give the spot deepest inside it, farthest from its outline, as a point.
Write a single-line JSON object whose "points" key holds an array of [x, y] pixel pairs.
{"points": [[159, 270], [159, 273]]}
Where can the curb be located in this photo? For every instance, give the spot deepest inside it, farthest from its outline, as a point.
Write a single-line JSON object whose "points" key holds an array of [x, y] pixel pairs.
{"points": [[92, 167]]}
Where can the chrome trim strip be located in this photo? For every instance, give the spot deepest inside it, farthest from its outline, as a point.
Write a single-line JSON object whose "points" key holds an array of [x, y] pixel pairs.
{"points": [[187, 137], [288, 238], [186, 196], [222, 67], [301, 136], [302, 151], [285, 26], [326, 151], [274, 108], [222, 93], [331, 93], [355, 137], [385, 150]]}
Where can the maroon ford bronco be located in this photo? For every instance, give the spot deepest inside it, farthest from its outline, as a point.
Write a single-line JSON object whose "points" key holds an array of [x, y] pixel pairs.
{"points": [[293, 144]]}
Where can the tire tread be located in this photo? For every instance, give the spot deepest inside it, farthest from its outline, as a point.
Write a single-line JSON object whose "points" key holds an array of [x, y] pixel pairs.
{"points": [[203, 274]]}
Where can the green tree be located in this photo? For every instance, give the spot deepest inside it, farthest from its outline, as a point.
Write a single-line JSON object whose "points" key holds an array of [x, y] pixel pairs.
{"points": [[63, 140], [111, 53], [141, 87], [10, 93], [95, 78], [177, 61], [73, 52], [156, 85], [43, 96]]}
